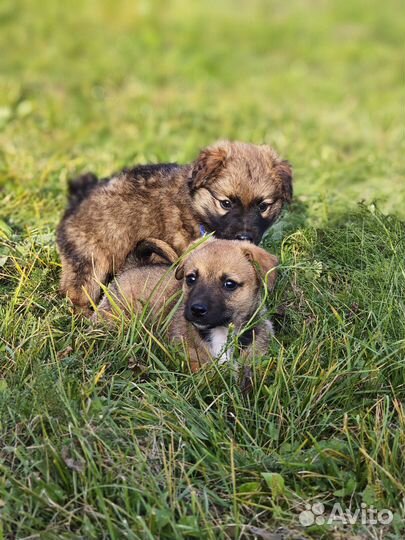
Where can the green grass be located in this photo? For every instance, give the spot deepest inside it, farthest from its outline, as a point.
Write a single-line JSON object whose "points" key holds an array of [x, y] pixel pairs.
{"points": [[105, 434]]}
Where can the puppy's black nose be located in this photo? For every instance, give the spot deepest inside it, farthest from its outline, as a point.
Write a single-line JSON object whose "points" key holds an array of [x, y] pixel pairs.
{"points": [[198, 310], [244, 236]]}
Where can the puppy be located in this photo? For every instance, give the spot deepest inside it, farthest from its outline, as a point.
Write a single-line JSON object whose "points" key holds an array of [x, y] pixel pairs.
{"points": [[222, 282], [233, 189]]}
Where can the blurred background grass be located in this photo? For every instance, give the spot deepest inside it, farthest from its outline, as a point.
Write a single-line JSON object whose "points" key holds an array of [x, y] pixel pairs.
{"points": [[103, 84]]}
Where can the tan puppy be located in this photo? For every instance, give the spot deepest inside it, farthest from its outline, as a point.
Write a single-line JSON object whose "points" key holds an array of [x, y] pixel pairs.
{"points": [[234, 189], [222, 283]]}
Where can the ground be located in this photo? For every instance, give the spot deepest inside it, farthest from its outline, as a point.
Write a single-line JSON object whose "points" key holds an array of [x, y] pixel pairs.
{"points": [[106, 434]]}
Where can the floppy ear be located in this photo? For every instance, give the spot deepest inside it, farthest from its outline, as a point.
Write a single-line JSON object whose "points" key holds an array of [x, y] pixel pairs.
{"points": [[265, 261], [281, 169], [154, 251], [208, 164], [284, 171], [179, 274], [192, 248]]}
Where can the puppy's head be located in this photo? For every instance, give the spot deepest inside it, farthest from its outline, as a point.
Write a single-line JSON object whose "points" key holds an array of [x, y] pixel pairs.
{"points": [[222, 282], [239, 189]]}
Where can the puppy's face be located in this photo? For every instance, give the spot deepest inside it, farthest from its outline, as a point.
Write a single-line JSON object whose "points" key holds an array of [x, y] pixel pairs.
{"points": [[222, 281], [238, 189]]}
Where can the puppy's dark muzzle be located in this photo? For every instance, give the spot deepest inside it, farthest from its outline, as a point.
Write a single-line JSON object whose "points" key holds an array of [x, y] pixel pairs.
{"points": [[245, 237], [198, 310], [199, 313]]}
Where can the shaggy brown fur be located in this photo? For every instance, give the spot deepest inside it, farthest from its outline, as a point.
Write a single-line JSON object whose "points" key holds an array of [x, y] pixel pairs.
{"points": [[222, 284], [236, 190]]}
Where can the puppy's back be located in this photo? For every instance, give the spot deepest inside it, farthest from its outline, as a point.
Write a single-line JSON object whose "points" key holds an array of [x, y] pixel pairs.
{"points": [[153, 286]]}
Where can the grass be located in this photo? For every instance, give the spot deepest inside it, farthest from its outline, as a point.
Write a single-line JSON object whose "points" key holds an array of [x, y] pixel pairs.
{"points": [[105, 434]]}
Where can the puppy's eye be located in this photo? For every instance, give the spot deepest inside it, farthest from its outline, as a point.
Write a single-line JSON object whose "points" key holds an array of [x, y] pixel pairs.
{"points": [[191, 279], [226, 204], [230, 285], [263, 206]]}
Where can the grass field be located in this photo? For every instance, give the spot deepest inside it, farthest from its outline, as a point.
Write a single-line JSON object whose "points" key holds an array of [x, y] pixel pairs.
{"points": [[105, 434]]}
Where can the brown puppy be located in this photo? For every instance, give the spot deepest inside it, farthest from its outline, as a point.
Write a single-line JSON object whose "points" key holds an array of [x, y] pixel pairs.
{"points": [[222, 285], [236, 190]]}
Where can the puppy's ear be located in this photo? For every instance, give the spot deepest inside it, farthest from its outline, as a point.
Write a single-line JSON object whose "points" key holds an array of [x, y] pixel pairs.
{"points": [[179, 274], [284, 171], [265, 261], [281, 169], [209, 164], [154, 251], [192, 248]]}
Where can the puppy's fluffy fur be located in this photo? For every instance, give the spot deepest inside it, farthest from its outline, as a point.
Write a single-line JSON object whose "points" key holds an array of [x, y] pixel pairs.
{"points": [[222, 282], [236, 190]]}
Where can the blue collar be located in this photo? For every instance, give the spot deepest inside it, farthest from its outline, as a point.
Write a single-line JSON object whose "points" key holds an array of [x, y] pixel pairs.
{"points": [[203, 232]]}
